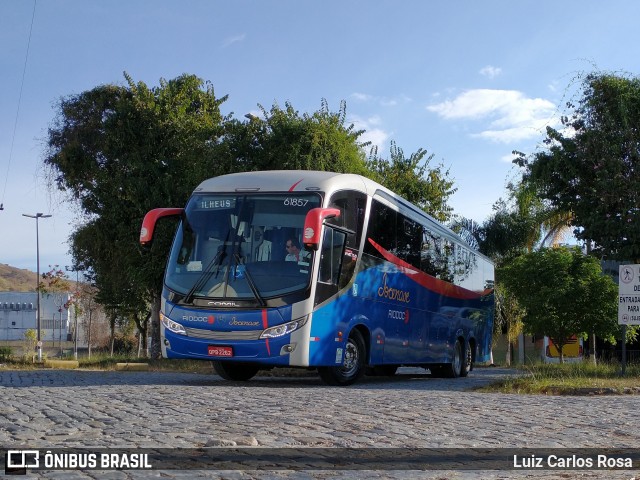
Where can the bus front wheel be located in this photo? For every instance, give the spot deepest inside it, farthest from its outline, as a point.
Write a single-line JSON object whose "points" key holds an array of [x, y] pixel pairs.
{"points": [[235, 371], [353, 365]]}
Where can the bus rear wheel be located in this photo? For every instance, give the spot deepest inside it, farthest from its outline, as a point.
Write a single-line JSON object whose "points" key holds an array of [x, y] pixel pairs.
{"points": [[235, 371], [353, 366], [455, 368], [467, 366]]}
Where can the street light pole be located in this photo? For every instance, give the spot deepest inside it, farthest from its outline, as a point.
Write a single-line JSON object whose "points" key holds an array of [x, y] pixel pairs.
{"points": [[38, 216], [75, 310]]}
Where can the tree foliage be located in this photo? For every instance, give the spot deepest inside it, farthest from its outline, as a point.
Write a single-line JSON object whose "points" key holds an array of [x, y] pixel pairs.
{"points": [[412, 178], [521, 224], [284, 139], [590, 166], [120, 151], [54, 281], [563, 293]]}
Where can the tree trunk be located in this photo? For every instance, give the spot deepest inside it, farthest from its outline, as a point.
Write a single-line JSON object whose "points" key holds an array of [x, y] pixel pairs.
{"points": [[592, 349], [89, 334], [143, 327], [144, 332], [112, 325], [154, 321]]}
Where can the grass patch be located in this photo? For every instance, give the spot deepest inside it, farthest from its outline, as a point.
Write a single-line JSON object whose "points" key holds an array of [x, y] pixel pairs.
{"points": [[105, 362], [19, 364], [570, 379]]}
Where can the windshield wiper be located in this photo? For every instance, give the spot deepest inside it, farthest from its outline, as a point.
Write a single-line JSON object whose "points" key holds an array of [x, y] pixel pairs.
{"points": [[251, 282], [204, 277]]}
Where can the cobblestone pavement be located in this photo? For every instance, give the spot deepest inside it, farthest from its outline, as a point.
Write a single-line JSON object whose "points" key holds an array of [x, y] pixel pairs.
{"points": [[98, 409]]}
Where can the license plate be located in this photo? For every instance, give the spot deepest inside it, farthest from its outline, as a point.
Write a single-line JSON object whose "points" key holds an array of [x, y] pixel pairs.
{"points": [[215, 351]]}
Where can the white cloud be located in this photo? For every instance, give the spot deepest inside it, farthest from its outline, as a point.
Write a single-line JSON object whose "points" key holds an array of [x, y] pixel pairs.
{"points": [[508, 158], [235, 39], [373, 133], [512, 116], [362, 97], [490, 71], [383, 101]]}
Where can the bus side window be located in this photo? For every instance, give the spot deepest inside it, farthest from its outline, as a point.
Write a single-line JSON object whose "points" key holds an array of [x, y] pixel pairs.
{"points": [[352, 206], [331, 256]]}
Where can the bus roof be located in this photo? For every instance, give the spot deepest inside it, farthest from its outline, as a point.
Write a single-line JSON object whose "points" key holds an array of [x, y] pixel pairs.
{"points": [[311, 181], [286, 181]]}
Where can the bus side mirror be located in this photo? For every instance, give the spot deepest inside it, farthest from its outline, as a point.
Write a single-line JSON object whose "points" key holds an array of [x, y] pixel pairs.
{"points": [[313, 225], [150, 219]]}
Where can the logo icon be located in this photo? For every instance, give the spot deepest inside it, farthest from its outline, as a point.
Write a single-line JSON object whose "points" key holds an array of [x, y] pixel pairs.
{"points": [[17, 461]]}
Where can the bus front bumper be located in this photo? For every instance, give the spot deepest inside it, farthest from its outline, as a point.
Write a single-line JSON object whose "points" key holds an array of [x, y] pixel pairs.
{"points": [[269, 351]]}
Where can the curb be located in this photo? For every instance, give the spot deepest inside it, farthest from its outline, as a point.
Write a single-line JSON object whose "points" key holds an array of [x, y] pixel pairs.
{"points": [[65, 364], [132, 367]]}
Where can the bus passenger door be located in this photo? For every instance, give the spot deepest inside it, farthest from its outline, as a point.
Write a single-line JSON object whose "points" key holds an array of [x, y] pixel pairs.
{"points": [[331, 253]]}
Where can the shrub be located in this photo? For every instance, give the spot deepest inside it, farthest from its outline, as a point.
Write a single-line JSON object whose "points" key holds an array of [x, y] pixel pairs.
{"points": [[5, 353], [125, 345]]}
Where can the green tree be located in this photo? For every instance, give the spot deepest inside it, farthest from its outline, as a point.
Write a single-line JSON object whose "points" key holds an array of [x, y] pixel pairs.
{"points": [[522, 223], [589, 167], [120, 151], [284, 139], [563, 293], [412, 178]]}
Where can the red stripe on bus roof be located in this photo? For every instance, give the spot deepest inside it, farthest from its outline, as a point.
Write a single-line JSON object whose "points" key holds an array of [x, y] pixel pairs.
{"points": [[295, 185]]}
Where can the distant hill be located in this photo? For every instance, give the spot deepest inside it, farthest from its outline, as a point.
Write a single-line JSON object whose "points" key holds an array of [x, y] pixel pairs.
{"points": [[17, 279]]}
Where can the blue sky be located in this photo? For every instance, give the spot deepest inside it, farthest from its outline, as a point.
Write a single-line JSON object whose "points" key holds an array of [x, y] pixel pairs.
{"points": [[469, 81]]}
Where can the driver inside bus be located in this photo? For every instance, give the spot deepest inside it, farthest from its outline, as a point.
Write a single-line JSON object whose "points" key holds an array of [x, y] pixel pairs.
{"points": [[294, 254]]}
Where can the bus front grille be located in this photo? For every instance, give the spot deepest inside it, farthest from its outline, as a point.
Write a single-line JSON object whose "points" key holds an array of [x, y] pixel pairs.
{"points": [[234, 335]]}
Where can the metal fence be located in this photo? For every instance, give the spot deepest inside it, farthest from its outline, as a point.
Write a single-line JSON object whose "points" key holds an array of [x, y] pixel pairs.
{"points": [[633, 356]]}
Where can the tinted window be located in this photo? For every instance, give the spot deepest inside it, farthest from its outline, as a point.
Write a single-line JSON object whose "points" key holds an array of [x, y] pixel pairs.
{"points": [[382, 228], [352, 206]]}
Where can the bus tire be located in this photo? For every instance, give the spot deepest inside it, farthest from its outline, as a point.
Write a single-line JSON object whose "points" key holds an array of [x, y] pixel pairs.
{"points": [[467, 366], [455, 367], [353, 366], [239, 372]]}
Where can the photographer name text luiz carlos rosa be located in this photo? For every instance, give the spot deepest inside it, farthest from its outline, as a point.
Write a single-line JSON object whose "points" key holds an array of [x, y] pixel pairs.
{"points": [[571, 461]]}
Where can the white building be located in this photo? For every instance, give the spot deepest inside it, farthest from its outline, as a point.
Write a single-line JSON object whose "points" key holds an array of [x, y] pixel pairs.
{"points": [[18, 314]]}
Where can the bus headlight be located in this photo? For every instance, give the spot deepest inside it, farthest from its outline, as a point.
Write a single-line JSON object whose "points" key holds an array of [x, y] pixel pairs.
{"points": [[285, 328], [169, 324]]}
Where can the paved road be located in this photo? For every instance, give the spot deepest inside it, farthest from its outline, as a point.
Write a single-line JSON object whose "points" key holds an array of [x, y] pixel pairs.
{"points": [[91, 409]]}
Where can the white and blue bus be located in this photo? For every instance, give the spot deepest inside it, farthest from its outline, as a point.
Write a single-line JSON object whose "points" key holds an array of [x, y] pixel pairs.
{"points": [[319, 270]]}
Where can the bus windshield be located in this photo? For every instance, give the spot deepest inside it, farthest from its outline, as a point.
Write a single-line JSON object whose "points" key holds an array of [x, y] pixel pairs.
{"points": [[241, 246]]}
